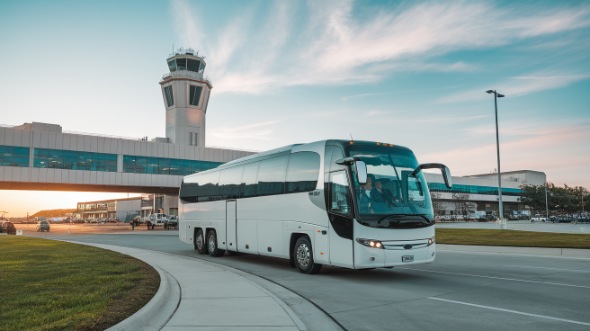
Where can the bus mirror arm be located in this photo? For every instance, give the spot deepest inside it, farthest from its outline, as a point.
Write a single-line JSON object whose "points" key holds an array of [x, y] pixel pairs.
{"points": [[361, 167], [446, 173]]}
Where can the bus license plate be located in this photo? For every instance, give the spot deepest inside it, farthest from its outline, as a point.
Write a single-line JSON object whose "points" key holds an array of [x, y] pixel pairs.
{"points": [[407, 258]]}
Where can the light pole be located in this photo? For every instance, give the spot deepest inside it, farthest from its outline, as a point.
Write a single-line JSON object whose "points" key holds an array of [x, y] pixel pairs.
{"points": [[501, 207]]}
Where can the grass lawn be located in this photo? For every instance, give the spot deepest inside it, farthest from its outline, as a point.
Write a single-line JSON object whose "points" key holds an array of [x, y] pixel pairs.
{"points": [[485, 237], [52, 285]]}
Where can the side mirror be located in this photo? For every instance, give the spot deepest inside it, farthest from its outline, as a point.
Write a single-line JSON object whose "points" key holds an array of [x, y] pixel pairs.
{"points": [[361, 167], [361, 172], [446, 173]]}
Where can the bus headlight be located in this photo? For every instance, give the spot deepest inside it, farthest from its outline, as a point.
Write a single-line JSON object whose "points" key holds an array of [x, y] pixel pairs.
{"points": [[431, 241], [370, 243]]}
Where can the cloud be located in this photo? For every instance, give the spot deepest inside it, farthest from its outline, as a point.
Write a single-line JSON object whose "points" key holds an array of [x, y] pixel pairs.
{"points": [[333, 45], [252, 131], [559, 151], [519, 86]]}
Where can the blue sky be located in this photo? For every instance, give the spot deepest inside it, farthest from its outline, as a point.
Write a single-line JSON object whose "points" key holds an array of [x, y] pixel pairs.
{"points": [[412, 73]]}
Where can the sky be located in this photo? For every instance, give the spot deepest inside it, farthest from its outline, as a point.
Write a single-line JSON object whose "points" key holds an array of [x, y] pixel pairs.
{"points": [[411, 73]]}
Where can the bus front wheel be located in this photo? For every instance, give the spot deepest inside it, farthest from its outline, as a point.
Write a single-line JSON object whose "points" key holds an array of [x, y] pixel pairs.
{"points": [[200, 242], [212, 244], [303, 257]]}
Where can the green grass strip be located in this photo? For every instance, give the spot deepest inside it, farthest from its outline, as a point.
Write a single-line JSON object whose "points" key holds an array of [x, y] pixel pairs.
{"points": [[52, 285], [486, 237]]}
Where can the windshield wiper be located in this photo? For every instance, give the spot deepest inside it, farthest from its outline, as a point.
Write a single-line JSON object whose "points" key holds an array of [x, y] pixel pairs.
{"points": [[399, 217]]}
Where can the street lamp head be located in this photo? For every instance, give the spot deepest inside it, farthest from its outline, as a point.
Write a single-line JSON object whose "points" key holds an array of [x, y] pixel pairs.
{"points": [[500, 95], [489, 91]]}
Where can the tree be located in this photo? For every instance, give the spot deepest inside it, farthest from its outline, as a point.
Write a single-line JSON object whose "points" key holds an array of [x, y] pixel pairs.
{"points": [[437, 204], [533, 196], [461, 203], [560, 200]]}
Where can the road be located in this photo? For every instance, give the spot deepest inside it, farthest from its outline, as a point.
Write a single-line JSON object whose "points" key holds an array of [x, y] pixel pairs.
{"points": [[460, 291]]}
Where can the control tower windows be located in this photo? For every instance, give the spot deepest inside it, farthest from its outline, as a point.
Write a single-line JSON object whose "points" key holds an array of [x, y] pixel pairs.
{"points": [[181, 64], [169, 96], [172, 65], [193, 65], [195, 95]]}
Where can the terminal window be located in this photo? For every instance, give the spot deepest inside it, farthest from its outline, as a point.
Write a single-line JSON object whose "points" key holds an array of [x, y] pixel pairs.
{"points": [[12, 156]]}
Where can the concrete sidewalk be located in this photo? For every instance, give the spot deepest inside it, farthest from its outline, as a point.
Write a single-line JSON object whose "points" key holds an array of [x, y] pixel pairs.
{"points": [[195, 294]]}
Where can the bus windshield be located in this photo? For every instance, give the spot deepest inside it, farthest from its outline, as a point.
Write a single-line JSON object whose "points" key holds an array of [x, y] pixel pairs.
{"points": [[391, 197]]}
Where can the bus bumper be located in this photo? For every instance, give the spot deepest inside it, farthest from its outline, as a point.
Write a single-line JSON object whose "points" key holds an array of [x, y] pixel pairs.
{"points": [[368, 257]]}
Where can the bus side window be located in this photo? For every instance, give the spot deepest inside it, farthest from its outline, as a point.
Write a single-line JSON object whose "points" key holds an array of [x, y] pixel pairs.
{"points": [[340, 198]]}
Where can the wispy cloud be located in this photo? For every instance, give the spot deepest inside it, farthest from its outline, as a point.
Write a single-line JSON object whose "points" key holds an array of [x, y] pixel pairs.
{"points": [[252, 131], [332, 45], [559, 149], [519, 85]]}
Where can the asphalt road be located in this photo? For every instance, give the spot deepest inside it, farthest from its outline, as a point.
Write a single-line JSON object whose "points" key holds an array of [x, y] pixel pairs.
{"points": [[460, 291]]}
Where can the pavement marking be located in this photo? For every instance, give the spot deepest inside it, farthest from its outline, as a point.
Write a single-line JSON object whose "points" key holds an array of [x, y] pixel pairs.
{"points": [[565, 257], [511, 311], [496, 278], [556, 269]]}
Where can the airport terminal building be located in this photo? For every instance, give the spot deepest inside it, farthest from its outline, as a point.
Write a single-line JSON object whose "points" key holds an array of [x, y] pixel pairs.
{"points": [[41, 156]]}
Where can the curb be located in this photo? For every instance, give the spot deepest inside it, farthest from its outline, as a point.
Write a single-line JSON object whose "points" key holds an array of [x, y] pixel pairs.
{"points": [[158, 311]]}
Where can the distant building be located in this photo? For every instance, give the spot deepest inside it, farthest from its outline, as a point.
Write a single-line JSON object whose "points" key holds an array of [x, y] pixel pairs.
{"points": [[480, 192]]}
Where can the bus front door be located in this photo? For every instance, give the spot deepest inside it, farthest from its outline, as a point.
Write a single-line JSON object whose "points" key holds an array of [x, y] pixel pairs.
{"points": [[230, 222], [341, 219]]}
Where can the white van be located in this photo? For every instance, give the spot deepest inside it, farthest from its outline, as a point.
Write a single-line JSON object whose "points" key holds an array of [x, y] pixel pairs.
{"points": [[157, 219]]}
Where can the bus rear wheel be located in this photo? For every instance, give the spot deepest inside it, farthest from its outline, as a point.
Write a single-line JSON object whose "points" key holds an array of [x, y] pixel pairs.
{"points": [[212, 246], [200, 242], [303, 257]]}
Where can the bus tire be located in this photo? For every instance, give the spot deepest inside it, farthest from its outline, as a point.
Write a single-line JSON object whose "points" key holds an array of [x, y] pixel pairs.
{"points": [[200, 242], [303, 256], [212, 246]]}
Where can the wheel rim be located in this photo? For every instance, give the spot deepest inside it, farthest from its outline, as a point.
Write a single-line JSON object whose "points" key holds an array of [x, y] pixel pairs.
{"points": [[211, 243], [200, 241], [303, 256]]}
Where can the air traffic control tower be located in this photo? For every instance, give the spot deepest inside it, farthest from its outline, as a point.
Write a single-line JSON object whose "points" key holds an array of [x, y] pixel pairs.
{"points": [[186, 96]]}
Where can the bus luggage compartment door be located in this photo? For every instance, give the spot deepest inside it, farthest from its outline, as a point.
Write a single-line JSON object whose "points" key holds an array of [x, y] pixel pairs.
{"points": [[230, 222]]}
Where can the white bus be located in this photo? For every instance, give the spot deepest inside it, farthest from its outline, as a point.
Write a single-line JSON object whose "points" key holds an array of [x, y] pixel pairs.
{"points": [[315, 204]]}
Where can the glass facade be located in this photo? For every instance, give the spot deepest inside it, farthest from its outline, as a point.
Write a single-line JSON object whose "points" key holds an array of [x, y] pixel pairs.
{"points": [[473, 189], [74, 160], [164, 166], [11, 156]]}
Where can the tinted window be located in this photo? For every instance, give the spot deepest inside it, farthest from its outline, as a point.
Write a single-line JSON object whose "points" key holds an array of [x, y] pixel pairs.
{"points": [[181, 64], [302, 174], [193, 65], [208, 187], [249, 180], [169, 96], [195, 95], [271, 176], [229, 182], [14, 156]]}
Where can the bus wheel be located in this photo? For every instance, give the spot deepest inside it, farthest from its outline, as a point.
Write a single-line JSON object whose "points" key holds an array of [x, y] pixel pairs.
{"points": [[303, 257], [212, 244], [200, 242]]}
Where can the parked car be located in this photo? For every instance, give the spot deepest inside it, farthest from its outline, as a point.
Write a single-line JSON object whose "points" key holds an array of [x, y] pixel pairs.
{"points": [[563, 219], [43, 226], [538, 218], [7, 227], [172, 222]]}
